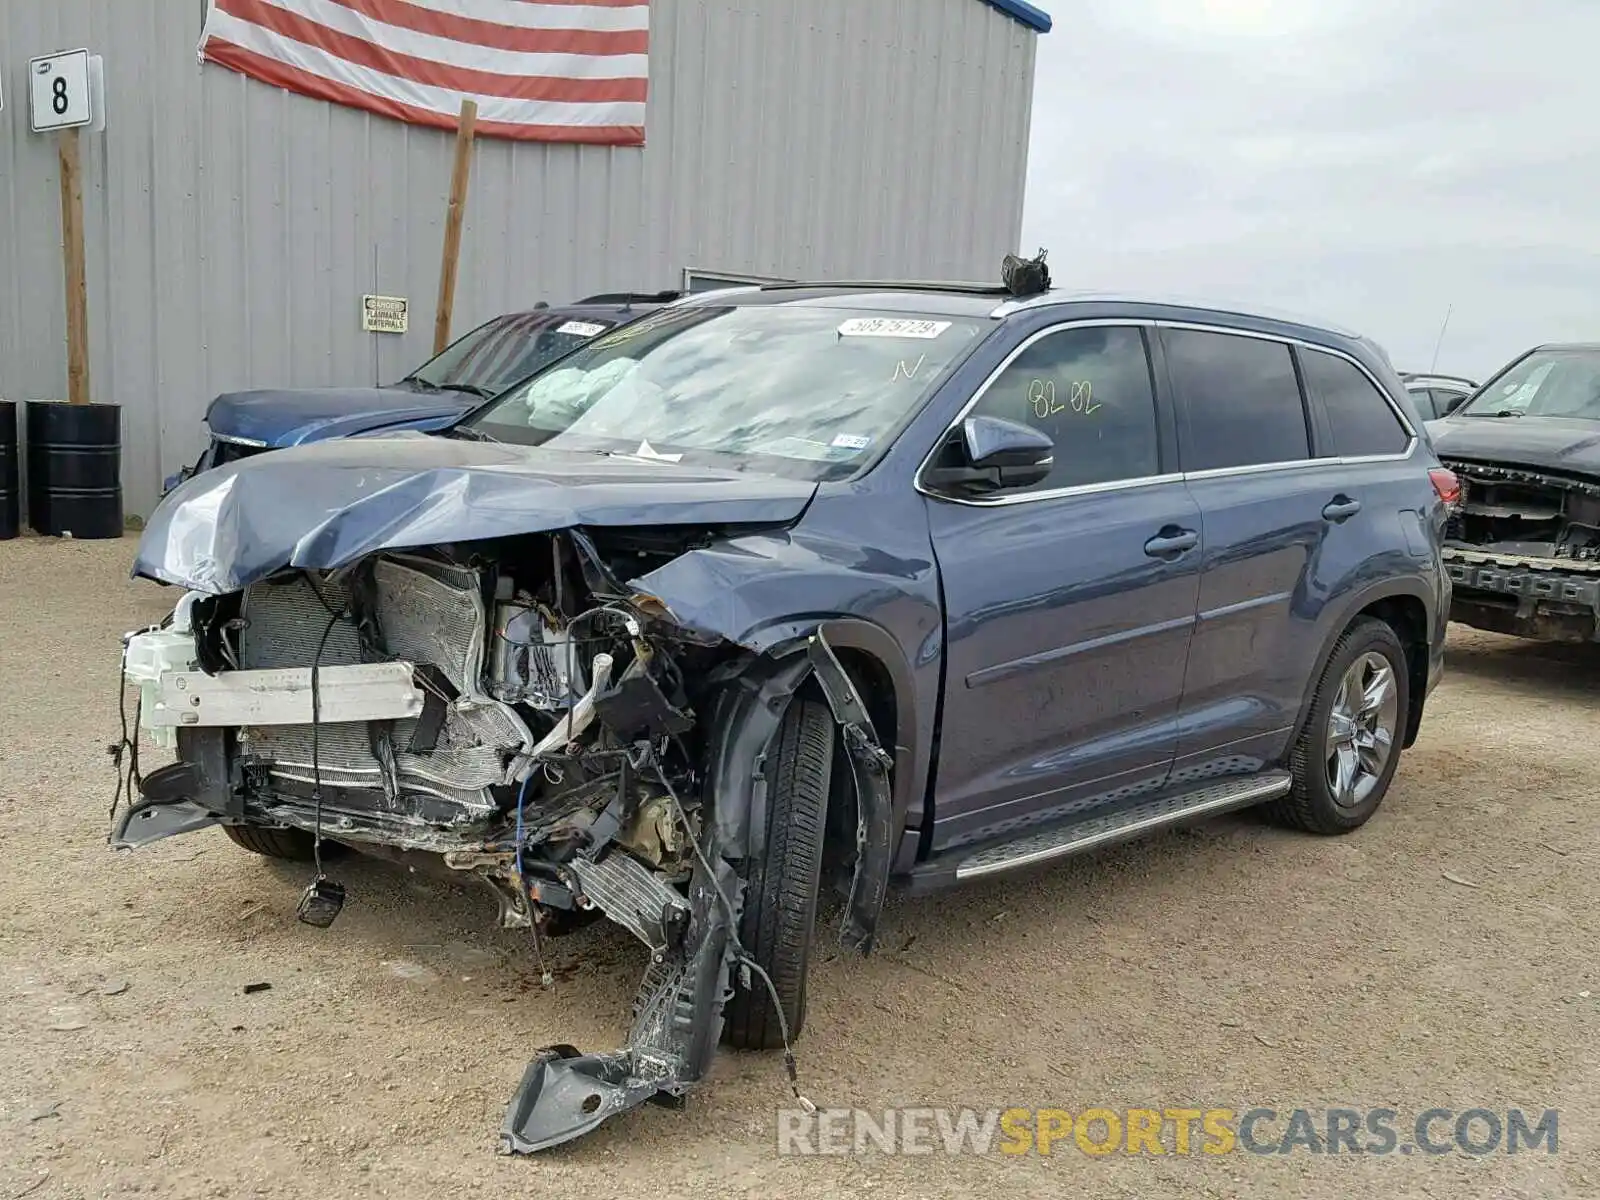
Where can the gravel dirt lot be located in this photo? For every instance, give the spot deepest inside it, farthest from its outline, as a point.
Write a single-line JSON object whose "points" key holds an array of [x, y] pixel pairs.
{"points": [[1444, 956]]}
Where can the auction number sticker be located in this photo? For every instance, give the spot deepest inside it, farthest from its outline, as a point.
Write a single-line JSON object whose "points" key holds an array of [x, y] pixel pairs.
{"points": [[586, 329], [892, 327]]}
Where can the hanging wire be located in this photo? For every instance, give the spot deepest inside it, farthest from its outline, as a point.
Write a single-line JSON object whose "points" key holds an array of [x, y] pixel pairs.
{"points": [[545, 977], [740, 955], [126, 749], [316, 731]]}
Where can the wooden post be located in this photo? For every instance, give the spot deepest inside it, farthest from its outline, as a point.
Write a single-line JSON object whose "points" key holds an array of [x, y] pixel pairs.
{"points": [[452, 224], [72, 256]]}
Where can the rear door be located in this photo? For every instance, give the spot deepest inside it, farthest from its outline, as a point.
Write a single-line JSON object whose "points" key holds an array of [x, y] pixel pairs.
{"points": [[1068, 605], [1306, 480], [1245, 441]]}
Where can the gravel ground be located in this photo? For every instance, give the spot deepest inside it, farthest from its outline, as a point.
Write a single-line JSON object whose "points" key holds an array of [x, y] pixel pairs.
{"points": [[1442, 956]]}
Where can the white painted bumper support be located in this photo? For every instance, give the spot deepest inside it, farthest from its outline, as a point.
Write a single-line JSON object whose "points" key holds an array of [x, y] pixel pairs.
{"points": [[364, 692]]}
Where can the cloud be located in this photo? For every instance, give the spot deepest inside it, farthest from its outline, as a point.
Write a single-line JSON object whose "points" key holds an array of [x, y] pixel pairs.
{"points": [[1372, 162]]}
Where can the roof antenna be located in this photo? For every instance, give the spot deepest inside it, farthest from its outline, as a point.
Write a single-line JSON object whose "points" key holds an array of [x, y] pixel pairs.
{"points": [[1434, 366], [1025, 276]]}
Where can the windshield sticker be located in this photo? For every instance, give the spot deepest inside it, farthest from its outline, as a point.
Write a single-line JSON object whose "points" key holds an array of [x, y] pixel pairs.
{"points": [[850, 441], [586, 329], [892, 327], [804, 448]]}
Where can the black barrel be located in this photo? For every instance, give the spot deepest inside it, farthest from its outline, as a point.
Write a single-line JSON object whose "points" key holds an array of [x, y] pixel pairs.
{"points": [[75, 469], [10, 473]]}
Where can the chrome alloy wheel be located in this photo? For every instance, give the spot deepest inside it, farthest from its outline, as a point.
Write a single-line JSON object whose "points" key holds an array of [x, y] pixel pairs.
{"points": [[1361, 729]]}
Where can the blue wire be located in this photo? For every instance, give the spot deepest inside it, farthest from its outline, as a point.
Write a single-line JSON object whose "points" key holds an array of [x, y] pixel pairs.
{"points": [[522, 799]]}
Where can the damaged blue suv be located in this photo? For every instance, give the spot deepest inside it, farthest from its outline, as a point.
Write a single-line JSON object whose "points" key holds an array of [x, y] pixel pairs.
{"points": [[788, 589]]}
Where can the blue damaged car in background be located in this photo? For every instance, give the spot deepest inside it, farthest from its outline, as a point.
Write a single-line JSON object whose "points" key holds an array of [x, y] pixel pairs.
{"points": [[790, 590], [470, 370]]}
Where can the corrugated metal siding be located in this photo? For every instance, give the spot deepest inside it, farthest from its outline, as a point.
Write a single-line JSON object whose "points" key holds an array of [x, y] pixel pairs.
{"points": [[232, 228]]}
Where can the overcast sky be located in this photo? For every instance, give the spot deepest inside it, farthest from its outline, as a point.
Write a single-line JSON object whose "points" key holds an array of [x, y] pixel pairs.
{"points": [[1372, 162]]}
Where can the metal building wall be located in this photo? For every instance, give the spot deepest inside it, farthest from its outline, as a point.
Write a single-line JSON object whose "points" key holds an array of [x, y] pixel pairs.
{"points": [[232, 228]]}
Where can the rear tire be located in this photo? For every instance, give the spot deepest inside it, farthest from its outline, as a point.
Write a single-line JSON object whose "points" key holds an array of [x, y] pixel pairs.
{"points": [[1346, 754], [780, 903], [290, 845]]}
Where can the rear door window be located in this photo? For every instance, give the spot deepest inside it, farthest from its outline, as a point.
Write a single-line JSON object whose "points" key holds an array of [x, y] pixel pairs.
{"points": [[1241, 403], [1089, 389], [1429, 405], [1362, 422]]}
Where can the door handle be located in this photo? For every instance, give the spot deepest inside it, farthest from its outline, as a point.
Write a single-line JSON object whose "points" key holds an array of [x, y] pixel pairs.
{"points": [[1171, 542], [1341, 508]]}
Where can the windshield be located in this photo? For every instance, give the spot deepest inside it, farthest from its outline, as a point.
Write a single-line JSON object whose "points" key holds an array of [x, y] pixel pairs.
{"points": [[508, 349], [1548, 383], [791, 389]]}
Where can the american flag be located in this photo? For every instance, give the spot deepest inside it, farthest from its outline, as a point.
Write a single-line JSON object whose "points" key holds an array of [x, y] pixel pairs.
{"points": [[540, 70]]}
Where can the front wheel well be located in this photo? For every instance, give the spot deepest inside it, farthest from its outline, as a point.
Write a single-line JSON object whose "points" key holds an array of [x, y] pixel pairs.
{"points": [[1407, 616], [876, 687]]}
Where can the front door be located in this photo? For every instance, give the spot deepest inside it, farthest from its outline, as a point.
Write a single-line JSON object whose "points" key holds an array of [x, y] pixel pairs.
{"points": [[1069, 605]]}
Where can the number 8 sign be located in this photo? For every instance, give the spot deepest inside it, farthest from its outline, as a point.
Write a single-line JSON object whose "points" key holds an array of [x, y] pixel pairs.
{"points": [[58, 91]]}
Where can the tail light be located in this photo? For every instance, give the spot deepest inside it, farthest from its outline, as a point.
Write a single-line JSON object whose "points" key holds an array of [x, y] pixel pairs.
{"points": [[1446, 484]]}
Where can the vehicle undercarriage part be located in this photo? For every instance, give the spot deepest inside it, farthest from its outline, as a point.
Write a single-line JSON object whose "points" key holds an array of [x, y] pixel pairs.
{"points": [[580, 751]]}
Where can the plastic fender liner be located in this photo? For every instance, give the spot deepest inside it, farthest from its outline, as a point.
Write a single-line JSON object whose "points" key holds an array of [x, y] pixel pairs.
{"points": [[746, 718], [869, 764], [678, 1011], [677, 1024], [195, 792]]}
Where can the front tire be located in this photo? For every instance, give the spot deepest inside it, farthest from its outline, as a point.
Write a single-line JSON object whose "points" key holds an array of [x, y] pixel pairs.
{"points": [[780, 903], [1346, 754], [289, 845]]}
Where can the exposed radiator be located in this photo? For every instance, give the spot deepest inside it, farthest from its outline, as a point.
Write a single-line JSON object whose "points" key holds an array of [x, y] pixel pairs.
{"points": [[427, 614]]}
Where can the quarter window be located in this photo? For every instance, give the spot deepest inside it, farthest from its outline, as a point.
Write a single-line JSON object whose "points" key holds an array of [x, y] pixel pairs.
{"points": [[1242, 404], [1087, 388], [1361, 420]]}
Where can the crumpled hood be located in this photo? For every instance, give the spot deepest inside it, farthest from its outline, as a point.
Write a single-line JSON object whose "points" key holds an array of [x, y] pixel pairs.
{"points": [[292, 416], [324, 505], [1543, 443]]}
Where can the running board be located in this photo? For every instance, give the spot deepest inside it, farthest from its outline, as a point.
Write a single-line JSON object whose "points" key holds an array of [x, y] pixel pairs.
{"points": [[1080, 836]]}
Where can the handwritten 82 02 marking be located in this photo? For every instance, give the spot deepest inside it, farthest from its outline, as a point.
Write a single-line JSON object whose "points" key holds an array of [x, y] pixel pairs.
{"points": [[1080, 398]]}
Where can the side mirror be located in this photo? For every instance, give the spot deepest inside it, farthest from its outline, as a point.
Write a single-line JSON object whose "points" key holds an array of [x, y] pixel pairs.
{"points": [[1452, 404], [993, 454]]}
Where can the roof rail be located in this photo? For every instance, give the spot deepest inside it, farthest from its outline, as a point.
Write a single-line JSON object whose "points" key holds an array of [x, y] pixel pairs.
{"points": [[907, 285], [632, 298], [1412, 376]]}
